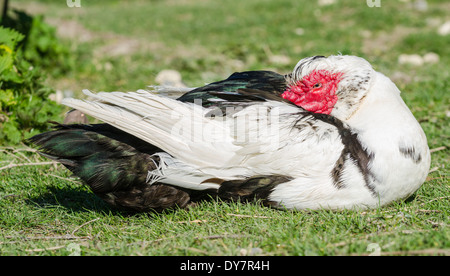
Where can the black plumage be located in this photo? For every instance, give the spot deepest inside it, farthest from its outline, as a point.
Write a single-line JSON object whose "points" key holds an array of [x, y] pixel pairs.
{"points": [[239, 87]]}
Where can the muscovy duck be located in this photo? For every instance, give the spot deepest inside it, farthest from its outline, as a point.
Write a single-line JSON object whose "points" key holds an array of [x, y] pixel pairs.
{"points": [[333, 134]]}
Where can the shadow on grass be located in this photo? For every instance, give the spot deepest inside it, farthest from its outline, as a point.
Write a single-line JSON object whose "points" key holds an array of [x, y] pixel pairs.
{"points": [[76, 199], [80, 199]]}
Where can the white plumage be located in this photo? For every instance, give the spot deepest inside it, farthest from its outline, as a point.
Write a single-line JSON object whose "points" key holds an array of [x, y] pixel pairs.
{"points": [[369, 151]]}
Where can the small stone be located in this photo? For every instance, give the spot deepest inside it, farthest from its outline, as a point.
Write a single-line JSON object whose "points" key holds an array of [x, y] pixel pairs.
{"points": [[325, 2], [280, 59], [243, 252], [108, 66], [420, 5], [252, 252], [444, 29], [169, 78], [431, 58], [299, 31], [414, 59], [366, 33]]}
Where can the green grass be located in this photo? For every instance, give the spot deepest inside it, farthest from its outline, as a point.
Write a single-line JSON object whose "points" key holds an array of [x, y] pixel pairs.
{"points": [[43, 211]]}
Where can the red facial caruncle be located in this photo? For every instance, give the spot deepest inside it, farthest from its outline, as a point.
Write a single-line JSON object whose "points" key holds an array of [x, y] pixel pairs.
{"points": [[315, 92]]}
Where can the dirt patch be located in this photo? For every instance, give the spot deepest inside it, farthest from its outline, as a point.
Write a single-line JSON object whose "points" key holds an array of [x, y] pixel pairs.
{"points": [[72, 30], [385, 41], [108, 44]]}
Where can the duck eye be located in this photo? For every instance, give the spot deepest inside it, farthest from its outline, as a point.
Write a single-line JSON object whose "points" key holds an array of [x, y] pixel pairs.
{"points": [[317, 85]]}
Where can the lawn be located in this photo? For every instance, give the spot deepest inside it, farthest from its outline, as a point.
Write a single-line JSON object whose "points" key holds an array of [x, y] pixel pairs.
{"points": [[122, 46]]}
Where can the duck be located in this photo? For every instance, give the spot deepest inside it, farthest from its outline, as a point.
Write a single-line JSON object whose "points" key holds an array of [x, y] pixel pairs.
{"points": [[333, 134]]}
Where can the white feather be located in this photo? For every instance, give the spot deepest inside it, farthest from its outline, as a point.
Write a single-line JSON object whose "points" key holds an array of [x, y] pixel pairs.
{"points": [[171, 171], [256, 140], [178, 128]]}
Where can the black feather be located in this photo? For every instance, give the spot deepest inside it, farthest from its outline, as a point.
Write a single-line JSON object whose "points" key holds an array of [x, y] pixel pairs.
{"points": [[113, 163], [252, 188], [268, 84]]}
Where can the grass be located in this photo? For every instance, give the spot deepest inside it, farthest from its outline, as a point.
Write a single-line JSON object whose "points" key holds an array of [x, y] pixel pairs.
{"points": [[44, 211]]}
